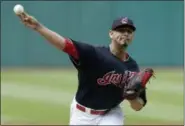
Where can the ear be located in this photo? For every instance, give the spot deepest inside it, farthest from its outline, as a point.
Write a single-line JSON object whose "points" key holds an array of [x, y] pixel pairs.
{"points": [[111, 34]]}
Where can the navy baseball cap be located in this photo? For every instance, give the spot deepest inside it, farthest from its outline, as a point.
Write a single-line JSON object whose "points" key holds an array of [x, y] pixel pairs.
{"points": [[122, 22]]}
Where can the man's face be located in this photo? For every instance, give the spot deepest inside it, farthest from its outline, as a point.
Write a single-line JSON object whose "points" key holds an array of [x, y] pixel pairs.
{"points": [[122, 36]]}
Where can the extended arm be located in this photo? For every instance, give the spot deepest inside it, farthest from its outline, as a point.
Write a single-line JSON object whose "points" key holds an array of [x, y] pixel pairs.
{"points": [[76, 50], [58, 41], [54, 38]]}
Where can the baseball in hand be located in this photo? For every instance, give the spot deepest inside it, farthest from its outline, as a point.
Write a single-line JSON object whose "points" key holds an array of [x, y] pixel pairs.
{"points": [[18, 9]]}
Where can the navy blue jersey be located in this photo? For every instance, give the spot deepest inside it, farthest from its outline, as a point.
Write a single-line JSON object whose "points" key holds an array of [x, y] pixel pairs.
{"points": [[101, 76]]}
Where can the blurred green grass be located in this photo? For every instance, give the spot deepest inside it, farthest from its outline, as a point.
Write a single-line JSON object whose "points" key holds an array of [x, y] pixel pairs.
{"points": [[23, 91]]}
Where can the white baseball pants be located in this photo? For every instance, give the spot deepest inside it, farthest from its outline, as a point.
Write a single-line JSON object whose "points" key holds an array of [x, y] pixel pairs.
{"points": [[78, 117]]}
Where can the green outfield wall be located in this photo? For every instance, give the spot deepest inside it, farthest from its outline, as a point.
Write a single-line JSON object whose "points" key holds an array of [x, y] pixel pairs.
{"points": [[158, 40]]}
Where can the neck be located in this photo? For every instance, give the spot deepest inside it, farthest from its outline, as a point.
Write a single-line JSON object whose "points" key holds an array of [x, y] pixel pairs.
{"points": [[118, 51]]}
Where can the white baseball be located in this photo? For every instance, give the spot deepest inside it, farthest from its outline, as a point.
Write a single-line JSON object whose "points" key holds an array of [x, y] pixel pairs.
{"points": [[18, 9]]}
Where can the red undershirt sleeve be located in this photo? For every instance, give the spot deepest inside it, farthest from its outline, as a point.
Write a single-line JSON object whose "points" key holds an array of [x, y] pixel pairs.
{"points": [[70, 49], [81, 54]]}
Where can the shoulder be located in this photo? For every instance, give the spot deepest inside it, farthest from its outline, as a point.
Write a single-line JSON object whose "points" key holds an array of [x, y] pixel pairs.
{"points": [[80, 43], [131, 59], [133, 64], [101, 47]]}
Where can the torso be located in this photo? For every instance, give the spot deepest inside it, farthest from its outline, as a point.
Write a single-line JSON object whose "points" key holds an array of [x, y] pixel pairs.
{"points": [[102, 87]]}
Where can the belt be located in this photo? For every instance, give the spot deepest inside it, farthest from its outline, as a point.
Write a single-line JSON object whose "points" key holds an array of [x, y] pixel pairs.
{"points": [[90, 111]]}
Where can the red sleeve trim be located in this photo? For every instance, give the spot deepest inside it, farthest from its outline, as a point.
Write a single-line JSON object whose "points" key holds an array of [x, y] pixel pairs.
{"points": [[146, 78], [70, 49]]}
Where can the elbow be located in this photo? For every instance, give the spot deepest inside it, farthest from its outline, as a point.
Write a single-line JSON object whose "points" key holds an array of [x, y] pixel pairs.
{"points": [[137, 107], [137, 104]]}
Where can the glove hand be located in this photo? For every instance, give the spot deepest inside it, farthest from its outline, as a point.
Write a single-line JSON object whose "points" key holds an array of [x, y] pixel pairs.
{"points": [[132, 94], [137, 84]]}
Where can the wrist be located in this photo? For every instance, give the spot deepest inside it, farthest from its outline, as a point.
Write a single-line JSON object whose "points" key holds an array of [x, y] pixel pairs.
{"points": [[39, 27]]}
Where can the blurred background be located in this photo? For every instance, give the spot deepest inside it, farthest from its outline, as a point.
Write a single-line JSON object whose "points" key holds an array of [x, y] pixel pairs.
{"points": [[38, 81]]}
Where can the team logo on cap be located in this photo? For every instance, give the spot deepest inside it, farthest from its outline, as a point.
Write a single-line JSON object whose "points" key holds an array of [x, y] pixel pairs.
{"points": [[124, 20]]}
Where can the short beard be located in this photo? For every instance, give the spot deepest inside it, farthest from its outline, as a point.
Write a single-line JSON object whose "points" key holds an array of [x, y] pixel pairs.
{"points": [[125, 45]]}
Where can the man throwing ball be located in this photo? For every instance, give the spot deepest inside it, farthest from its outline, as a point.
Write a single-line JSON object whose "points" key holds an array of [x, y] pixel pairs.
{"points": [[107, 75]]}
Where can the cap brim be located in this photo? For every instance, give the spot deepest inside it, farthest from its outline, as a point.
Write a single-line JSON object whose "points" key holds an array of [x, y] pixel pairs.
{"points": [[125, 25]]}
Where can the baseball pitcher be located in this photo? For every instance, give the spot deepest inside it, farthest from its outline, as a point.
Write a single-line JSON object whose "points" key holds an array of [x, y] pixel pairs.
{"points": [[107, 75]]}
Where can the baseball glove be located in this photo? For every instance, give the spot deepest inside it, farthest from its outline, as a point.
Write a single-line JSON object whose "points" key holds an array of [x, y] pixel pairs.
{"points": [[137, 84]]}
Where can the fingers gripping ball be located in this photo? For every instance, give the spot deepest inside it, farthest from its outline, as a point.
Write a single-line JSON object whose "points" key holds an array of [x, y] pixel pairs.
{"points": [[137, 84], [18, 9]]}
